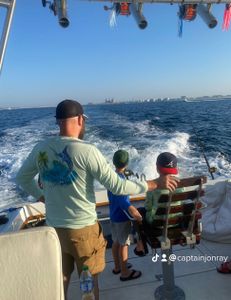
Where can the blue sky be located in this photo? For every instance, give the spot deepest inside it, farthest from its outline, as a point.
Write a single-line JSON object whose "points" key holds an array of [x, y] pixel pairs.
{"points": [[91, 61]]}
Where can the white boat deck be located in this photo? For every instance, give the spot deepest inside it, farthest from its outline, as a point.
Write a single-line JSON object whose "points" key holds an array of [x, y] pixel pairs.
{"points": [[198, 279]]}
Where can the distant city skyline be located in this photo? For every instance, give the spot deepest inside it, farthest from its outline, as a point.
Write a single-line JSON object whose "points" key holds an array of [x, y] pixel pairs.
{"points": [[145, 100], [90, 62]]}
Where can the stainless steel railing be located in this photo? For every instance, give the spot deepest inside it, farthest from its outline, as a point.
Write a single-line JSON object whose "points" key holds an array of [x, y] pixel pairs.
{"points": [[9, 5]]}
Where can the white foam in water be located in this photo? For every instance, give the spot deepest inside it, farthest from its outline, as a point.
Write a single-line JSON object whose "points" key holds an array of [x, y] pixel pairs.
{"points": [[18, 142], [143, 160], [141, 139], [144, 128], [222, 165]]}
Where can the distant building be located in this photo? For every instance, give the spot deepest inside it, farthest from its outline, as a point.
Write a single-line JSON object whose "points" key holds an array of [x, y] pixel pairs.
{"points": [[109, 101]]}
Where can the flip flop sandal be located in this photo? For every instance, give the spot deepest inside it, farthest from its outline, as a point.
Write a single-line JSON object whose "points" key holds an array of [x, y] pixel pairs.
{"points": [[134, 275], [117, 272], [139, 253], [224, 268]]}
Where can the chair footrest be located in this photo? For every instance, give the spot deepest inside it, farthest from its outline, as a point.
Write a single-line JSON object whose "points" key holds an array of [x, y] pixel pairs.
{"points": [[164, 244], [190, 238]]}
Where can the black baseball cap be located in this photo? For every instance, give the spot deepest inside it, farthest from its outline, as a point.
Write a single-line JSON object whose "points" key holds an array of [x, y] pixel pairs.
{"points": [[120, 158], [69, 109], [167, 163]]}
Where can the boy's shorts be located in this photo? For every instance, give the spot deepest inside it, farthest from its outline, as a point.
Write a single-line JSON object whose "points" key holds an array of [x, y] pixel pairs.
{"points": [[85, 246], [120, 232]]}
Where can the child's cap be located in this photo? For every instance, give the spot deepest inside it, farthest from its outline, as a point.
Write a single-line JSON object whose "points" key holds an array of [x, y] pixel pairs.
{"points": [[167, 163], [120, 158]]}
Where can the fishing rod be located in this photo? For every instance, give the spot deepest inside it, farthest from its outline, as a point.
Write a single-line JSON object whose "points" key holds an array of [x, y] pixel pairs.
{"points": [[200, 144]]}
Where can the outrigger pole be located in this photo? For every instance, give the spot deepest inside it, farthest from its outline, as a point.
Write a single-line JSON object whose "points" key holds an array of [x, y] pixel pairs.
{"points": [[9, 5]]}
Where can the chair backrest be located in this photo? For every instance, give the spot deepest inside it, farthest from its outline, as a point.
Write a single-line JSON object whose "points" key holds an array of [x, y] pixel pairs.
{"points": [[31, 265], [178, 215]]}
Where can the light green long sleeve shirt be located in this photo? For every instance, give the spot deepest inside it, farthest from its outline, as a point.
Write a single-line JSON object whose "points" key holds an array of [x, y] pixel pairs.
{"points": [[151, 204], [67, 168]]}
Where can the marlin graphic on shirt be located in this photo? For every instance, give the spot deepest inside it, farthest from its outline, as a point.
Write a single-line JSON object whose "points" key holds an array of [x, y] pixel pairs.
{"points": [[61, 172]]}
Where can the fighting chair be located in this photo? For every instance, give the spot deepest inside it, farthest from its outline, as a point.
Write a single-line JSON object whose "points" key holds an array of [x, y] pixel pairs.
{"points": [[176, 225]]}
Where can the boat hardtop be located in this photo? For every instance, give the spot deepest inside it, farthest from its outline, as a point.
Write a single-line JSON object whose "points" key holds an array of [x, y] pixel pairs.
{"points": [[188, 10]]}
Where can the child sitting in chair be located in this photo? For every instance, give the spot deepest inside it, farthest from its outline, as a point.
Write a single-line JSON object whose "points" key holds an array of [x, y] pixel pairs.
{"points": [[166, 164]]}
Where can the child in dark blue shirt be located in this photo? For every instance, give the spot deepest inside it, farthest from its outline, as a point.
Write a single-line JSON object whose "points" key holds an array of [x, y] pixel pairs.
{"points": [[120, 223]]}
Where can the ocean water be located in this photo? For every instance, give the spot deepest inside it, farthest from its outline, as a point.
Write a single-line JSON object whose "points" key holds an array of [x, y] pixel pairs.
{"points": [[187, 129]]}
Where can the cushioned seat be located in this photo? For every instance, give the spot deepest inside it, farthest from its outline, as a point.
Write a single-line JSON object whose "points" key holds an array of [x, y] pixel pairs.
{"points": [[31, 265]]}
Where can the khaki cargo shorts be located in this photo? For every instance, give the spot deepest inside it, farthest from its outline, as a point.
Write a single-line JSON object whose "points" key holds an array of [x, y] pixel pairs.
{"points": [[85, 246]]}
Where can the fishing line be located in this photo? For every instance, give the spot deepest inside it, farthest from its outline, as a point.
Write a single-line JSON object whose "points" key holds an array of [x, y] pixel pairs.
{"points": [[201, 146]]}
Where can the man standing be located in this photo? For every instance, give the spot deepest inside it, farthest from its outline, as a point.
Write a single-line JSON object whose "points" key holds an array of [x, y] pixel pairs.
{"points": [[67, 167]]}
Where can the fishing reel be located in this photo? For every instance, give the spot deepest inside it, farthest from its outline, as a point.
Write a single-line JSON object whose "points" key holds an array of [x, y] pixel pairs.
{"points": [[127, 9], [58, 7], [212, 170], [120, 8], [128, 173], [123, 9], [187, 12]]}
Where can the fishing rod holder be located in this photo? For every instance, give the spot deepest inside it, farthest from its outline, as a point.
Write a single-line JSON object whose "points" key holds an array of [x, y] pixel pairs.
{"points": [[206, 15], [9, 5], [58, 7], [136, 10]]}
